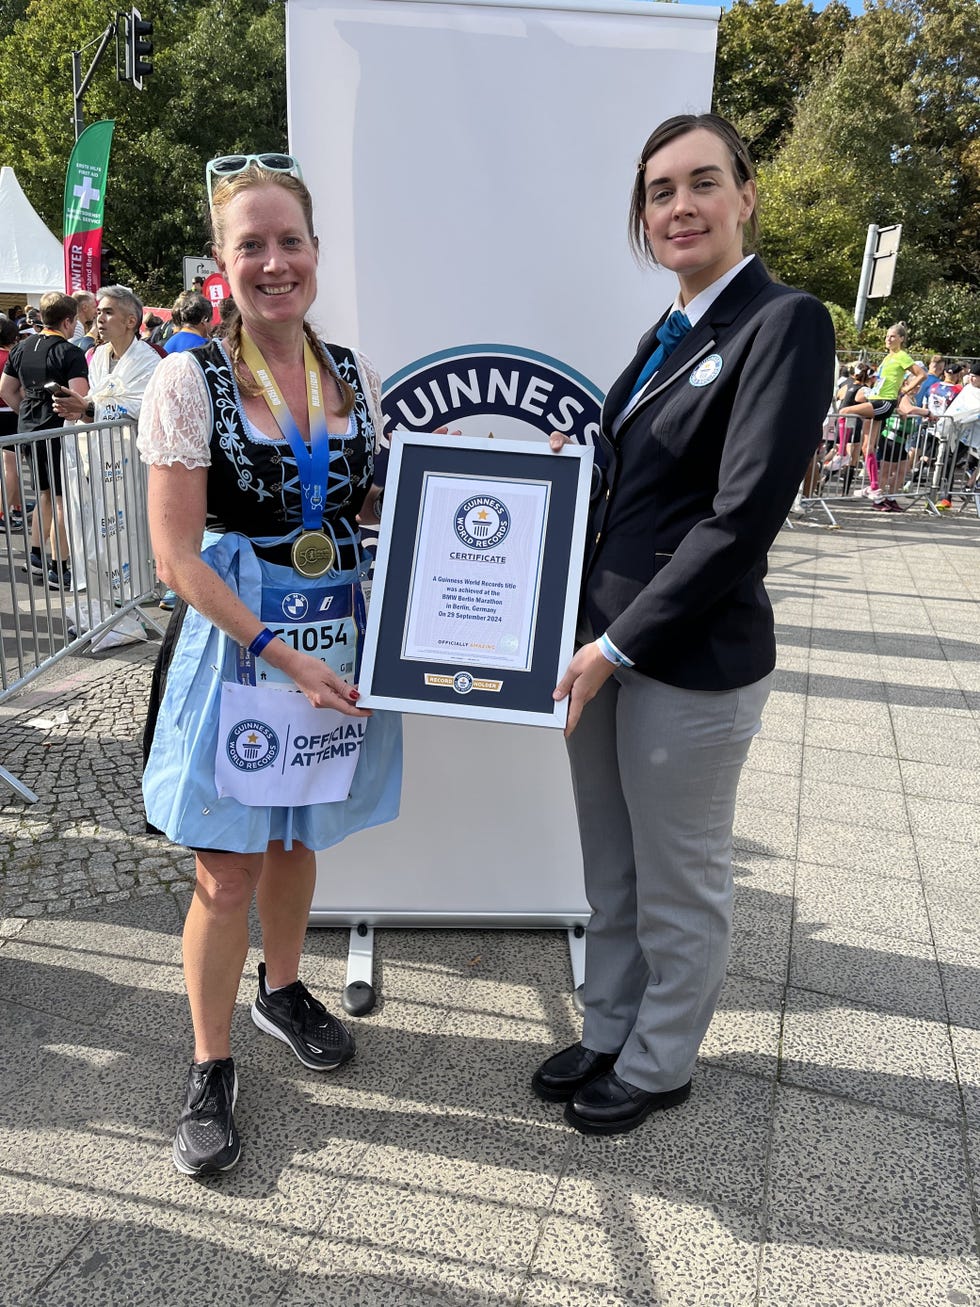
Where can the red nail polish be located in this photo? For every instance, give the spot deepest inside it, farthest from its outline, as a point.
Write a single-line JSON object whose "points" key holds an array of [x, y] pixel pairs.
{"points": [[354, 695]]}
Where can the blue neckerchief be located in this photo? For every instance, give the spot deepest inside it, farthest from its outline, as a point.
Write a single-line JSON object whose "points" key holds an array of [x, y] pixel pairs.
{"points": [[670, 336]]}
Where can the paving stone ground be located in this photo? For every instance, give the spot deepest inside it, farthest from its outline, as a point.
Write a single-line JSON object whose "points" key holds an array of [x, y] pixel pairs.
{"points": [[84, 842], [827, 1157]]}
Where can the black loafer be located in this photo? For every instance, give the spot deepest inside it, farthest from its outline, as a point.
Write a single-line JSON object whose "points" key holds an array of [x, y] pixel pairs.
{"points": [[609, 1106], [558, 1079]]}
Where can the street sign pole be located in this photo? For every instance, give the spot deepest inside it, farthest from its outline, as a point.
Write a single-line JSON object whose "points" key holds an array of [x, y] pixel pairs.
{"points": [[878, 268], [867, 267]]}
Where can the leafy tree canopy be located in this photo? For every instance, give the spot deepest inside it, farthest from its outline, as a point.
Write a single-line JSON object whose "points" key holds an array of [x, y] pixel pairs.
{"points": [[769, 52], [890, 133], [218, 86]]}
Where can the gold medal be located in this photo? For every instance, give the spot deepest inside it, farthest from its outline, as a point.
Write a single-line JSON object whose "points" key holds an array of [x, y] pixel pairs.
{"points": [[313, 554]]}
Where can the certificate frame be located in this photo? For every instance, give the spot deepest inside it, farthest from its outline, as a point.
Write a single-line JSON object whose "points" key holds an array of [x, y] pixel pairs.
{"points": [[397, 672]]}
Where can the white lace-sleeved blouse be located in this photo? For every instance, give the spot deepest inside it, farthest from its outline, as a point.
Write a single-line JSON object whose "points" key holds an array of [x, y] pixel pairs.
{"points": [[175, 422]]}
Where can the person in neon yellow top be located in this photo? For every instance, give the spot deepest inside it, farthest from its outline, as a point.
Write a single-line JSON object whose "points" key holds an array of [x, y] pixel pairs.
{"points": [[900, 374]]}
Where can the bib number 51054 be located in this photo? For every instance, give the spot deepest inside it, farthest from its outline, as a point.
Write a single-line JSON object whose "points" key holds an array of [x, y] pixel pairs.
{"points": [[314, 639]]}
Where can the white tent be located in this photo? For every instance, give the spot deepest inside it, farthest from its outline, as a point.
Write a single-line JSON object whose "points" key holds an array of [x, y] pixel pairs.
{"points": [[31, 259]]}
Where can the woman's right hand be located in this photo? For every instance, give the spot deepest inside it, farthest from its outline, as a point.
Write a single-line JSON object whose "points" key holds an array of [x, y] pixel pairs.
{"points": [[71, 407], [587, 673], [322, 687], [558, 442]]}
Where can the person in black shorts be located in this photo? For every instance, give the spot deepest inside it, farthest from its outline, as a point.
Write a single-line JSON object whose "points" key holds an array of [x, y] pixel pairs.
{"points": [[11, 512], [37, 360], [899, 375]]}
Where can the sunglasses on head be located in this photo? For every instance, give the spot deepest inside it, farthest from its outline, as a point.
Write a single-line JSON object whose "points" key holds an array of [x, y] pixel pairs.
{"points": [[227, 165]]}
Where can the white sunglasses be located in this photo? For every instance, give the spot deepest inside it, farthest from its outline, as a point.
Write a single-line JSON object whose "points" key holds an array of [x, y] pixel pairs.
{"points": [[227, 165]]}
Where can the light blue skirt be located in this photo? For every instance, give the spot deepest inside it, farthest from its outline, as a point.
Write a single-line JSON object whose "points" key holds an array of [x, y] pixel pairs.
{"points": [[178, 781]]}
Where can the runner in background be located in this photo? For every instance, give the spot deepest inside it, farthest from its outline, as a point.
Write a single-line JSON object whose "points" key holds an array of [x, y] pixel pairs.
{"points": [[12, 496]]}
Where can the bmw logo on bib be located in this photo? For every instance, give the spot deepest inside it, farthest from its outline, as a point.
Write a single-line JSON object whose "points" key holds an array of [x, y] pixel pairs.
{"points": [[707, 371]]}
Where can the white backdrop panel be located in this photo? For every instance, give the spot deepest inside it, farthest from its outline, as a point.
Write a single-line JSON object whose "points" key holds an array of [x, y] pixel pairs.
{"points": [[471, 167]]}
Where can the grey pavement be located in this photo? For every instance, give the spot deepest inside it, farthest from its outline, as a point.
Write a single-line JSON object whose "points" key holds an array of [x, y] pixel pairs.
{"points": [[826, 1158]]}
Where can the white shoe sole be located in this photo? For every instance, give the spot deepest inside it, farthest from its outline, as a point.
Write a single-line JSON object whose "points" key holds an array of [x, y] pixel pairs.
{"points": [[185, 1169], [270, 1028]]}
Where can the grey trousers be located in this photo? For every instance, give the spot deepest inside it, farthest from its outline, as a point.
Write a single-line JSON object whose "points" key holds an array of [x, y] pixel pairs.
{"points": [[654, 772]]}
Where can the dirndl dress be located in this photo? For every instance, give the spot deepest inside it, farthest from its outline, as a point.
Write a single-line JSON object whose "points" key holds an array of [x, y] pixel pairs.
{"points": [[257, 481]]}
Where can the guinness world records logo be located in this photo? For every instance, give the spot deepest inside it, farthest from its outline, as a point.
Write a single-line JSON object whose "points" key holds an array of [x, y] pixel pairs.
{"points": [[252, 745], [482, 522], [512, 392]]}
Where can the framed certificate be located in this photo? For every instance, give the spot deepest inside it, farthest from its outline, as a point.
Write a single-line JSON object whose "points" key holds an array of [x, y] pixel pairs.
{"points": [[476, 583]]}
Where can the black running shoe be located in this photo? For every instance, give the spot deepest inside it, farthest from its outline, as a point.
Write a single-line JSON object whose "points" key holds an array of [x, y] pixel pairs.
{"points": [[293, 1015], [59, 579], [35, 566], [206, 1139]]}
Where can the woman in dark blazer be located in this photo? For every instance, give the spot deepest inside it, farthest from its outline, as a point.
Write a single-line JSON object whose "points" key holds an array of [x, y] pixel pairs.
{"points": [[706, 436]]}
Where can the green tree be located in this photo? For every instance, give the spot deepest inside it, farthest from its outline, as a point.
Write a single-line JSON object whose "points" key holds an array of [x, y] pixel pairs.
{"points": [[856, 155], [946, 318], [11, 12], [218, 86], [946, 86], [768, 54]]}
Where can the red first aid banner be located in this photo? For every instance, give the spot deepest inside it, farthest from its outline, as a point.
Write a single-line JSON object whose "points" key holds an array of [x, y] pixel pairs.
{"points": [[85, 185]]}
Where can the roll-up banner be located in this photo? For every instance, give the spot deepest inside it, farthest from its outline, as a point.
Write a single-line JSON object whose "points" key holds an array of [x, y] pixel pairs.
{"points": [[85, 184], [471, 166]]}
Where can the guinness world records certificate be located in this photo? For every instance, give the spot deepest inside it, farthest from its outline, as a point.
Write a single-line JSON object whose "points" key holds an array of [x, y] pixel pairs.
{"points": [[476, 585]]}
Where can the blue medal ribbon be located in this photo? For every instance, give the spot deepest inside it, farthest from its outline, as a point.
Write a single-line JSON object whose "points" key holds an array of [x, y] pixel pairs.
{"points": [[313, 463]]}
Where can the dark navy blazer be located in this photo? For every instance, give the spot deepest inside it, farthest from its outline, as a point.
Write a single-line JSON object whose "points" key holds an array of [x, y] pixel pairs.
{"points": [[698, 481]]}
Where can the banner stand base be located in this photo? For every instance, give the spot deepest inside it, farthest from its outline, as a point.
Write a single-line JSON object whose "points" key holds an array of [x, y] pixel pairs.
{"points": [[360, 997]]}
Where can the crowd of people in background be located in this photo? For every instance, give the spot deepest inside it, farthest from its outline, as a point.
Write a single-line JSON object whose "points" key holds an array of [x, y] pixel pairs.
{"points": [[899, 420], [77, 358], [886, 419]]}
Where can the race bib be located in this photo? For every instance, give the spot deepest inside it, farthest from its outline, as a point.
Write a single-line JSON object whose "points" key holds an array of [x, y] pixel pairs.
{"points": [[326, 621], [276, 750]]}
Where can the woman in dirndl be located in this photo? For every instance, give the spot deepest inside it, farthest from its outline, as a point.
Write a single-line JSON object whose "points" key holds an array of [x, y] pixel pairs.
{"points": [[262, 446]]}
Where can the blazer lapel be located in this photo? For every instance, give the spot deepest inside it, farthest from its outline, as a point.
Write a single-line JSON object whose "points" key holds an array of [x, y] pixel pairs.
{"points": [[688, 353], [696, 344], [619, 392]]}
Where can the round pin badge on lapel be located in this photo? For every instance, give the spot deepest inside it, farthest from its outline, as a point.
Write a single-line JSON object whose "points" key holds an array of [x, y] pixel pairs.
{"points": [[708, 370]]}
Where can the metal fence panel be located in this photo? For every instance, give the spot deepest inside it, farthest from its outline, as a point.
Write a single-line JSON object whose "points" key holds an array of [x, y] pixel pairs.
{"points": [[932, 463], [46, 614]]}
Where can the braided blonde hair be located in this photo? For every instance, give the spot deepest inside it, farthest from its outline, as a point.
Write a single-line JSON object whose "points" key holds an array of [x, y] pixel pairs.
{"points": [[223, 194]]}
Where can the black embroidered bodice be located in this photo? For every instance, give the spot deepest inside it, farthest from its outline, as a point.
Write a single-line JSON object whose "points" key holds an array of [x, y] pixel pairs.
{"points": [[253, 485]]}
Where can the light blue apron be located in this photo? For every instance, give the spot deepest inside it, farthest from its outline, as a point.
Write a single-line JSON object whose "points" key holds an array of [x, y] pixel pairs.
{"points": [[179, 783]]}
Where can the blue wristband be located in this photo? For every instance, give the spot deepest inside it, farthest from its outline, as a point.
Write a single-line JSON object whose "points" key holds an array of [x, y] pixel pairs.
{"points": [[260, 641]]}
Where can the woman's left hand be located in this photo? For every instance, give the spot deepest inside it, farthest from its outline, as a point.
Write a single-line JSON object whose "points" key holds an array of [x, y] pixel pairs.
{"points": [[73, 407], [323, 687], [586, 675]]}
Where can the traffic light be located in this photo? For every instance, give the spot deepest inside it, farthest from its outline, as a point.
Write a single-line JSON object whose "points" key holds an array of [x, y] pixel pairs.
{"points": [[138, 48]]}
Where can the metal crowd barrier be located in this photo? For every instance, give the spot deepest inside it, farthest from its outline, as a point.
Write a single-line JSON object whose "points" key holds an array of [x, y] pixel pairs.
{"points": [[48, 614], [935, 465]]}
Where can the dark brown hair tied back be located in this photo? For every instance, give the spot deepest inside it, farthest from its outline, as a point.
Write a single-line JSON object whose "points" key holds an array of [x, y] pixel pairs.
{"points": [[742, 169]]}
